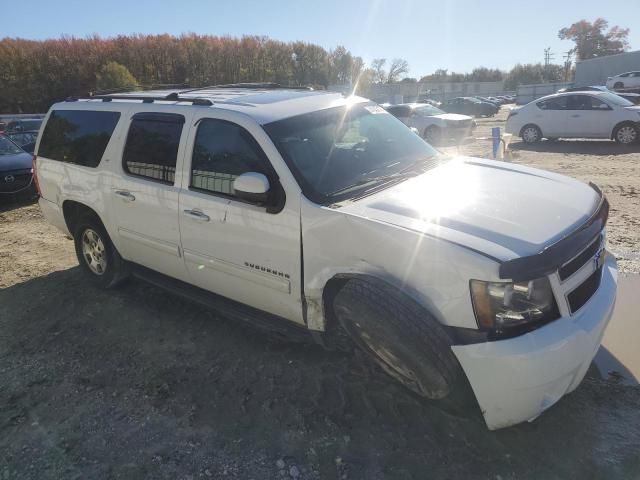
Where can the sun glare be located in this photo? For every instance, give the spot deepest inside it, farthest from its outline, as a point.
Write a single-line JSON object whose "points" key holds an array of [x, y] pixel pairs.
{"points": [[446, 190]]}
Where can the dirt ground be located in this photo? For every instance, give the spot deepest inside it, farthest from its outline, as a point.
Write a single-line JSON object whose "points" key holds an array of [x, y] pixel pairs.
{"points": [[135, 383]]}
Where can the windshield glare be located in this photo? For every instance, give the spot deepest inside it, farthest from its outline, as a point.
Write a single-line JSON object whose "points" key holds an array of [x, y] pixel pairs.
{"points": [[7, 147], [331, 150]]}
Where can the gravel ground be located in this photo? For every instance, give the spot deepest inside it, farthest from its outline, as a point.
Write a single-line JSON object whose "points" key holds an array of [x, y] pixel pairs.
{"points": [[135, 383]]}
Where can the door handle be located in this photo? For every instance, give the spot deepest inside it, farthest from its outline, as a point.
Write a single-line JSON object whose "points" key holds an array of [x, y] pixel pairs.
{"points": [[575, 116], [197, 215], [126, 195]]}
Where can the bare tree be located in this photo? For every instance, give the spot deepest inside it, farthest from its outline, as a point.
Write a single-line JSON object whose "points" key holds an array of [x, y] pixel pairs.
{"points": [[379, 73], [398, 67]]}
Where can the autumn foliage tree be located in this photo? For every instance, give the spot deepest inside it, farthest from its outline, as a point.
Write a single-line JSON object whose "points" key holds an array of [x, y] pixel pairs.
{"points": [[114, 76], [35, 74], [593, 40]]}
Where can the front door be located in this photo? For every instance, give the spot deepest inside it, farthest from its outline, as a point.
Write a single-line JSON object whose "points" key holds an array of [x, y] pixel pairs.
{"points": [[144, 193], [589, 117], [248, 252]]}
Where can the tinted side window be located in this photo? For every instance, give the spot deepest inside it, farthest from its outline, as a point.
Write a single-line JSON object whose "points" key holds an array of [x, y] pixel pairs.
{"points": [[152, 146], [77, 136], [222, 151], [559, 103]]}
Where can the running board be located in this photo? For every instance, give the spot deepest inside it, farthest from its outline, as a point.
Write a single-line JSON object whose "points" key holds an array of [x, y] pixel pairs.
{"points": [[226, 307]]}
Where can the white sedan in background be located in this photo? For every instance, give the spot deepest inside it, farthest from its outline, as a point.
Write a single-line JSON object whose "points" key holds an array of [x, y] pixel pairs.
{"points": [[576, 115], [433, 124], [624, 81]]}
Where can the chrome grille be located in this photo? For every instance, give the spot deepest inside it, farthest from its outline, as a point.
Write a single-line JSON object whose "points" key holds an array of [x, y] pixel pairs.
{"points": [[580, 277]]}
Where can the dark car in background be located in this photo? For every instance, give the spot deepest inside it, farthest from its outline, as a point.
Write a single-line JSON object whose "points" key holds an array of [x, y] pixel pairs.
{"points": [[470, 106], [25, 140], [16, 174], [24, 125]]}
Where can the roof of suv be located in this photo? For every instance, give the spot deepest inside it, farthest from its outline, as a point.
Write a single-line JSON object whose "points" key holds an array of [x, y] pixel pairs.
{"points": [[263, 103]]}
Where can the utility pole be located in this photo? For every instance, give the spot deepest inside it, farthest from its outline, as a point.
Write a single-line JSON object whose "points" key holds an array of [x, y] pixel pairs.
{"points": [[547, 61], [568, 61]]}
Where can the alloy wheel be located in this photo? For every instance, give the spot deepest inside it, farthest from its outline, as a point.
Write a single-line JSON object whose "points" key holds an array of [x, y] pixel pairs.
{"points": [[626, 134], [93, 252]]}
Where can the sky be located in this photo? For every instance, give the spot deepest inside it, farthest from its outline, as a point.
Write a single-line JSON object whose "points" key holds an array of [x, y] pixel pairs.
{"points": [[457, 35]]}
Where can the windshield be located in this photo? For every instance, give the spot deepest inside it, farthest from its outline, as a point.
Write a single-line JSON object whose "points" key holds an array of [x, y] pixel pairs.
{"points": [[7, 147], [339, 152], [428, 111], [615, 99]]}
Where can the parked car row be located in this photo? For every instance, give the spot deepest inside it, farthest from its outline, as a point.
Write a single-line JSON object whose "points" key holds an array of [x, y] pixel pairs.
{"points": [[470, 106], [585, 114]]}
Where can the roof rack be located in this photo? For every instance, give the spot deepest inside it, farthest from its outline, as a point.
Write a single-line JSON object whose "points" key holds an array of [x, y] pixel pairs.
{"points": [[174, 96], [249, 85]]}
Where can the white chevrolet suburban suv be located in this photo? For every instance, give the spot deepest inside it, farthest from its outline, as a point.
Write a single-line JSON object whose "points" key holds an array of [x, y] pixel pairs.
{"points": [[322, 211]]}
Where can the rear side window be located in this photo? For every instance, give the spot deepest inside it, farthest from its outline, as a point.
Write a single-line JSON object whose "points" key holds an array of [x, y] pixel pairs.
{"points": [[77, 136], [222, 151], [152, 146]]}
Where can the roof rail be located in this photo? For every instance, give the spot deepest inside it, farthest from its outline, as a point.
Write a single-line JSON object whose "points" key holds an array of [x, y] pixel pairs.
{"points": [[174, 96], [129, 88], [250, 85]]}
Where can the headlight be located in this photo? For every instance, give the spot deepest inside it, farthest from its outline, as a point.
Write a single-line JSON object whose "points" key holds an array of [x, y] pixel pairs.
{"points": [[500, 306]]}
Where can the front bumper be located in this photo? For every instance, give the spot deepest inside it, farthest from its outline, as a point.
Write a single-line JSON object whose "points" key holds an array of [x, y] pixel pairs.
{"points": [[517, 379]]}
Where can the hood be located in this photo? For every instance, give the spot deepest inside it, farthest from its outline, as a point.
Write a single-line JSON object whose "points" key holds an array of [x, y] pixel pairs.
{"points": [[452, 116], [18, 161], [499, 209]]}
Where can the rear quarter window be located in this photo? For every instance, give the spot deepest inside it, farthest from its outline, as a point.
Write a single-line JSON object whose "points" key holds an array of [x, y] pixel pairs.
{"points": [[77, 136]]}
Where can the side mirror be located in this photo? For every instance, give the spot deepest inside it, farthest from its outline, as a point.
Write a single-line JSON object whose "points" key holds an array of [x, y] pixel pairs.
{"points": [[252, 187], [415, 130]]}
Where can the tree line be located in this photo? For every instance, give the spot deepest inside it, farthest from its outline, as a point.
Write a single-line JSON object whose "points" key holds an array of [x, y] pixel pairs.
{"points": [[35, 74]]}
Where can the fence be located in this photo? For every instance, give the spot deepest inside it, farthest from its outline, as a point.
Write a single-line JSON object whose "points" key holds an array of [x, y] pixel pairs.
{"points": [[529, 93]]}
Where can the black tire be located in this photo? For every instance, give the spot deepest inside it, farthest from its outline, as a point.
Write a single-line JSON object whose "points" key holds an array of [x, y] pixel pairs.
{"points": [[400, 336], [115, 268], [618, 85], [531, 133], [433, 135], [626, 133]]}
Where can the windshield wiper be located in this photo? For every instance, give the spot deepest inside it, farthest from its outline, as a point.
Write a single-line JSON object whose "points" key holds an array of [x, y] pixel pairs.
{"points": [[408, 172]]}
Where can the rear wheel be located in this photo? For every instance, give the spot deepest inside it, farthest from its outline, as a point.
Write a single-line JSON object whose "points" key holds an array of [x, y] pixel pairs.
{"points": [[398, 335], [531, 134], [626, 133], [98, 258]]}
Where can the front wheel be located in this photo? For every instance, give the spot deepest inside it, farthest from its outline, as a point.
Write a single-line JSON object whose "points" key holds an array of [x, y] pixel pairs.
{"points": [[626, 133], [398, 335], [98, 258], [531, 134], [618, 86], [433, 135]]}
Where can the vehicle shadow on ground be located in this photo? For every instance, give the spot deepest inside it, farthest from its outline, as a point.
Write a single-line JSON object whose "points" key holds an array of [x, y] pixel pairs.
{"points": [[581, 147], [137, 383], [10, 202]]}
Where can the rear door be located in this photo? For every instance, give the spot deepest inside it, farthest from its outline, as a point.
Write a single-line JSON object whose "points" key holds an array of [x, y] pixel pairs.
{"points": [[144, 193], [551, 117], [588, 117], [248, 252]]}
